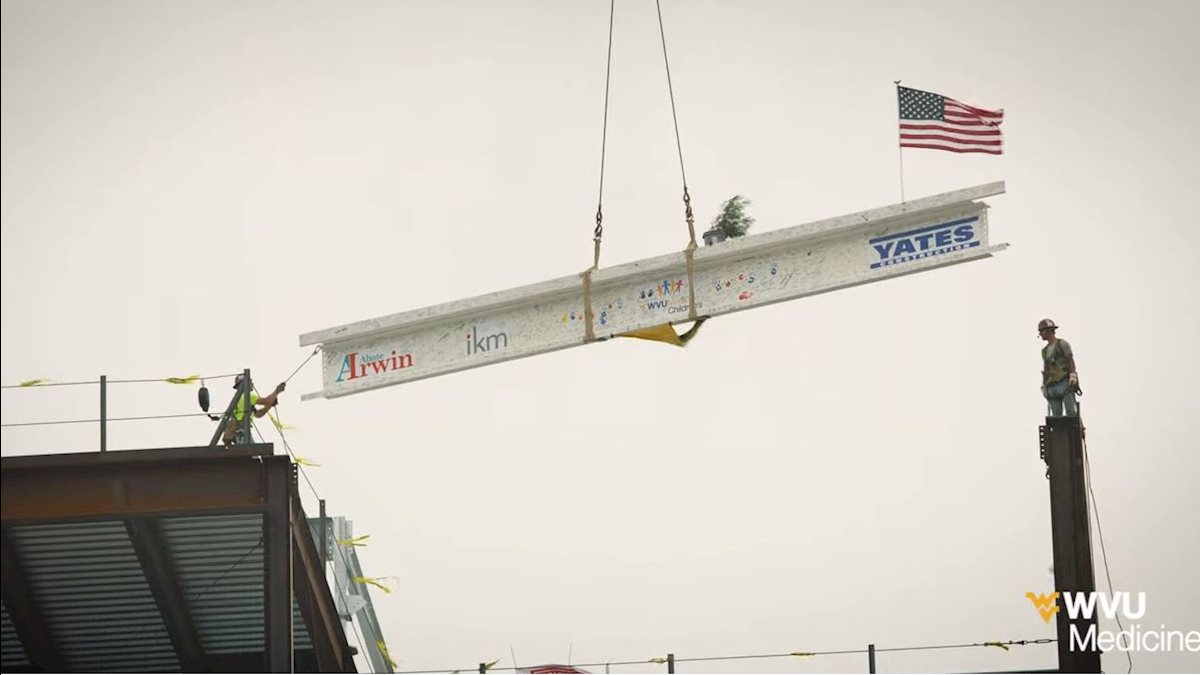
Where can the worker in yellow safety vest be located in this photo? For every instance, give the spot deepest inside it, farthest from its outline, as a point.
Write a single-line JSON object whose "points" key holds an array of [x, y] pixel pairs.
{"points": [[259, 405]]}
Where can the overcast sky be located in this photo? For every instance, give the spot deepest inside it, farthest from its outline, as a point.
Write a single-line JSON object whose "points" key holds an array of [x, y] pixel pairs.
{"points": [[189, 186]]}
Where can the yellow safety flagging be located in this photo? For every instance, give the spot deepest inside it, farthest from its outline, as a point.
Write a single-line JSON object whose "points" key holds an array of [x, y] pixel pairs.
{"points": [[384, 650], [354, 541], [802, 654], [666, 333], [661, 333], [279, 425], [190, 379], [33, 383], [657, 659], [1001, 645], [304, 462], [490, 664], [372, 581]]}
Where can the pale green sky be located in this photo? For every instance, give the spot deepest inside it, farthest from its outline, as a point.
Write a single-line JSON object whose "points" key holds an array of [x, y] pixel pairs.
{"points": [[188, 186]]}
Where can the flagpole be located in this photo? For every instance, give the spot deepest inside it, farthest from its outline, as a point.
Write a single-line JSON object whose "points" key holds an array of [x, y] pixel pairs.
{"points": [[899, 147]]}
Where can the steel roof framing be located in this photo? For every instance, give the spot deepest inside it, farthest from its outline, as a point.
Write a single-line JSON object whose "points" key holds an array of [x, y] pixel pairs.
{"points": [[64, 501]]}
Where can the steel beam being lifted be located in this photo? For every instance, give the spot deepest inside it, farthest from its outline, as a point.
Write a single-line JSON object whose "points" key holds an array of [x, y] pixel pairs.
{"points": [[749, 272]]}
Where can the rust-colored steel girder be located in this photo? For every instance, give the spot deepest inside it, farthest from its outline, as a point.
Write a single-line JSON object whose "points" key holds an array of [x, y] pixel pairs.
{"points": [[134, 482]]}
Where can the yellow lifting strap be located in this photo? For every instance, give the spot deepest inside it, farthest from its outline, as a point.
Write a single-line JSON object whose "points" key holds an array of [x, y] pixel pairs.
{"points": [[666, 333]]}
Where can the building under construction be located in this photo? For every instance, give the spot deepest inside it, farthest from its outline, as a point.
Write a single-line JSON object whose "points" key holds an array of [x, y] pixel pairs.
{"points": [[196, 559]]}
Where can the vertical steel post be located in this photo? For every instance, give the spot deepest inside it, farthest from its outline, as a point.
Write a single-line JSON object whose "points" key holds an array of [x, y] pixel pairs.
{"points": [[247, 409], [103, 413], [870, 658], [277, 563], [226, 419], [483, 667], [670, 663], [1062, 448], [324, 536]]}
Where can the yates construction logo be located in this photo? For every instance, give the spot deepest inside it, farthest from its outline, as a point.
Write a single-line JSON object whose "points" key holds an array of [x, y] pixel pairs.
{"points": [[1086, 609], [923, 242], [1046, 604]]}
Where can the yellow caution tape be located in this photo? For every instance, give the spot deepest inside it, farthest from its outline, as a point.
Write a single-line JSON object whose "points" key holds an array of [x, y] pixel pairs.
{"points": [[304, 462], [279, 425], [996, 644], [490, 664], [354, 541], [182, 380], [803, 654], [33, 383], [384, 650], [373, 581], [657, 659]]}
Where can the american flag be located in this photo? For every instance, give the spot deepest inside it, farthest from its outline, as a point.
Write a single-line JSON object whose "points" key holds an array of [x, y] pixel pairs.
{"points": [[933, 121]]}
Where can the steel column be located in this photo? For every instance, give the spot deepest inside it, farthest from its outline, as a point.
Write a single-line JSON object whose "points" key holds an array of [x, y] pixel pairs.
{"points": [[1062, 449], [103, 413], [245, 436], [324, 535], [226, 418], [277, 563], [317, 606]]}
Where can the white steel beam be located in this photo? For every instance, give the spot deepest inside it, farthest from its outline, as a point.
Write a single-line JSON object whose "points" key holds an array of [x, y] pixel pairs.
{"points": [[752, 271]]}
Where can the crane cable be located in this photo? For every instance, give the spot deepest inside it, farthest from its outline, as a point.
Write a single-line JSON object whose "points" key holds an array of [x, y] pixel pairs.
{"points": [[689, 218], [598, 233], [690, 251]]}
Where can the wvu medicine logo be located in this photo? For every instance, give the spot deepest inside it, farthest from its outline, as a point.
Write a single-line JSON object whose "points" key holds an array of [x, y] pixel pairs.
{"points": [[1046, 605], [1084, 609]]}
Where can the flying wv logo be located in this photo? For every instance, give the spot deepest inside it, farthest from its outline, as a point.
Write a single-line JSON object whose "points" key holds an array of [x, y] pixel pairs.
{"points": [[1046, 604], [924, 242]]}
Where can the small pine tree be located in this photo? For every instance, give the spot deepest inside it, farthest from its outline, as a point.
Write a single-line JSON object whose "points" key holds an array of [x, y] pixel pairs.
{"points": [[733, 219]]}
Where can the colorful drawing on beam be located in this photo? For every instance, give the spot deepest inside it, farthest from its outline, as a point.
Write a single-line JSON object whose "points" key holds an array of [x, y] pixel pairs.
{"points": [[743, 279], [658, 296], [602, 313], [664, 288]]}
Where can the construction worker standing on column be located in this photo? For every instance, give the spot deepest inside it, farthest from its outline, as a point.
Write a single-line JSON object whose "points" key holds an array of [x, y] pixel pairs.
{"points": [[1059, 380], [260, 407]]}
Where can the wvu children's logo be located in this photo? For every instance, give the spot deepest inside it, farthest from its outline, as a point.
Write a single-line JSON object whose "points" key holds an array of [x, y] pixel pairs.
{"points": [[1046, 604], [924, 242]]}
